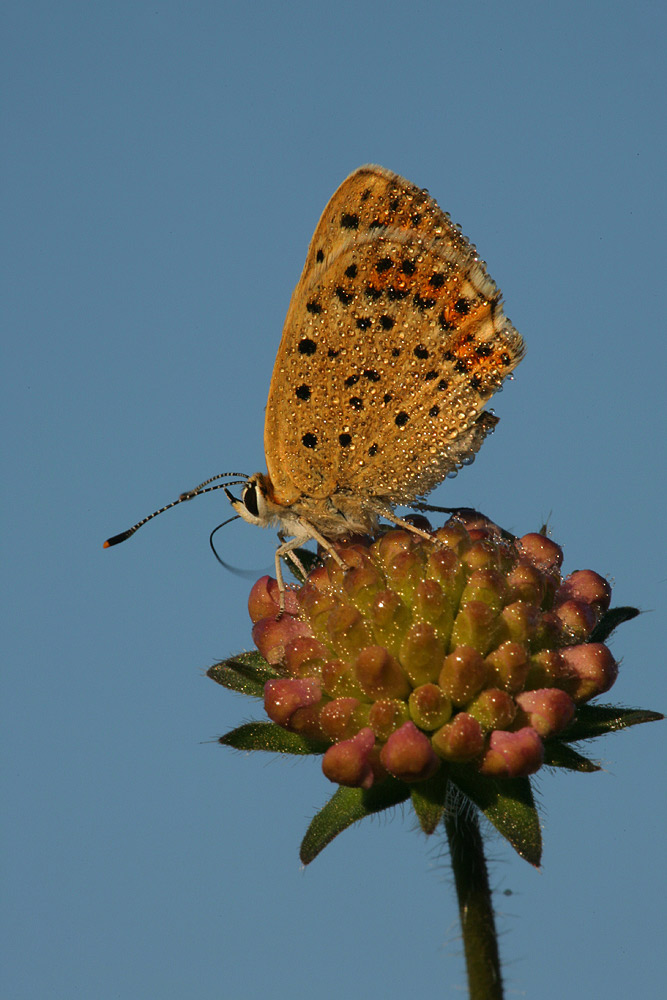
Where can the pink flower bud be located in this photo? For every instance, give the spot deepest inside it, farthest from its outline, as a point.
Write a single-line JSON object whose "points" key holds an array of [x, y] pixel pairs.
{"points": [[355, 554], [463, 674], [548, 710], [520, 621], [454, 535], [461, 739], [541, 551], [386, 715], [392, 544], [351, 556], [319, 578], [361, 584], [475, 625], [390, 619], [347, 632], [493, 709], [546, 669], [288, 702], [590, 670], [508, 666], [527, 583], [429, 706], [339, 680], [315, 599], [408, 754], [343, 718], [272, 635], [405, 571], [482, 554], [445, 567], [513, 755], [350, 762], [550, 632], [264, 600], [587, 586], [421, 653], [487, 585], [578, 618], [380, 674], [304, 656], [430, 603]]}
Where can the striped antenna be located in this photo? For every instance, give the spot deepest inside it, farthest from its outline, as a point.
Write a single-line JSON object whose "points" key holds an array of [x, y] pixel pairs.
{"points": [[197, 491]]}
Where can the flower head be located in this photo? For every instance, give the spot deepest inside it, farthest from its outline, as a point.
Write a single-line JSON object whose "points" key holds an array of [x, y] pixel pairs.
{"points": [[469, 648]]}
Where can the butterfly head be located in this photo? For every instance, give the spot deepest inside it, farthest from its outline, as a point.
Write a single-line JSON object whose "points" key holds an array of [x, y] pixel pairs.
{"points": [[254, 505], [257, 506]]}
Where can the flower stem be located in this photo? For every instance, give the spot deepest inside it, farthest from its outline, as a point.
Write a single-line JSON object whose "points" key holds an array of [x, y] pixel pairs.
{"points": [[475, 907]]}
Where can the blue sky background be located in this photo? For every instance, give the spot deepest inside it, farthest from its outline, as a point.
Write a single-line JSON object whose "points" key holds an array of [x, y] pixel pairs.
{"points": [[164, 168]]}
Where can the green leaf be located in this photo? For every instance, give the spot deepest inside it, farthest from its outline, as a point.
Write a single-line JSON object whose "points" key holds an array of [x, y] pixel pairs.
{"points": [[508, 804], [595, 720], [246, 673], [345, 807], [271, 738], [428, 800], [557, 754], [610, 620]]}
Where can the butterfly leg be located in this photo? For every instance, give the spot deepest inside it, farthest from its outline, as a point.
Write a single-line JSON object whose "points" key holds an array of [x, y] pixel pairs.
{"points": [[286, 550], [296, 563], [389, 515]]}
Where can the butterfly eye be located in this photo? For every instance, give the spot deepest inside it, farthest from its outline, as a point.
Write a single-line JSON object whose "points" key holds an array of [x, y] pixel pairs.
{"points": [[249, 498]]}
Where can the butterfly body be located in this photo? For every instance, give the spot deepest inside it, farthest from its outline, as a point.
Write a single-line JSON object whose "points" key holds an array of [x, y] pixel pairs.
{"points": [[335, 516]]}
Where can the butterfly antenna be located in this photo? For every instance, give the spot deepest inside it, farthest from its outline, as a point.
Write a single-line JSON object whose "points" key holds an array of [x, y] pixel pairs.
{"points": [[197, 491]]}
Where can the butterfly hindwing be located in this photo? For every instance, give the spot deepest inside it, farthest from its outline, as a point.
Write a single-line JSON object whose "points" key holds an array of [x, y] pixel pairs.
{"points": [[394, 341]]}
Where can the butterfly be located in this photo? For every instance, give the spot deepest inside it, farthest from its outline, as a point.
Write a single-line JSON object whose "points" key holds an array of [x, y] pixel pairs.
{"points": [[394, 341]]}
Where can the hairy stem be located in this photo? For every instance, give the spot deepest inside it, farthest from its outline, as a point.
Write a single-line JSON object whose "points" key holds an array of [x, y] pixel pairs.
{"points": [[475, 908]]}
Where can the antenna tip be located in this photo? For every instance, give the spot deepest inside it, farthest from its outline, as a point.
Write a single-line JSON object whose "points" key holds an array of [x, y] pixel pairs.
{"points": [[117, 538]]}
